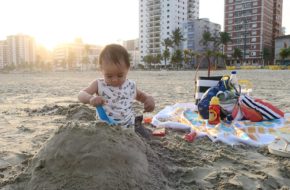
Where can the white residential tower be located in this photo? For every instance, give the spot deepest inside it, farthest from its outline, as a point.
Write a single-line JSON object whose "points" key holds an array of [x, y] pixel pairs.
{"points": [[158, 18]]}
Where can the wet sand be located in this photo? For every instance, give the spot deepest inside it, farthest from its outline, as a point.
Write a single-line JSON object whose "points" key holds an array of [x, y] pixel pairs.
{"points": [[51, 141]]}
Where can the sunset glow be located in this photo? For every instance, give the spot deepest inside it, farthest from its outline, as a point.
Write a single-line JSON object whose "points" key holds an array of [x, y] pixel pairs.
{"points": [[98, 22], [52, 22]]}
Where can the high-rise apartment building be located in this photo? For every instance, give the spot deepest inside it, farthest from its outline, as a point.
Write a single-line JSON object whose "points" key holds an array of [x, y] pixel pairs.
{"points": [[76, 54], [21, 49], [132, 47], [3, 54], [158, 18], [253, 26], [193, 31]]}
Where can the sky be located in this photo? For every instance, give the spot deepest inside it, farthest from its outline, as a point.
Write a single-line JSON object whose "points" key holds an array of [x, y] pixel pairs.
{"points": [[99, 22]]}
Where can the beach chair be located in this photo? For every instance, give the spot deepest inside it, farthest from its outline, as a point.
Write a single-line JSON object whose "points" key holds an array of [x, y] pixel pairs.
{"points": [[202, 84]]}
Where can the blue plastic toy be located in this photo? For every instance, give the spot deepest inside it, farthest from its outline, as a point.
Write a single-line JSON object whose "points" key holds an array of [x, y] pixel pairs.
{"points": [[103, 115]]}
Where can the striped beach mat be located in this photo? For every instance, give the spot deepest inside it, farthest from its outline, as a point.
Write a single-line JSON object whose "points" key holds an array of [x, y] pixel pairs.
{"points": [[203, 84]]}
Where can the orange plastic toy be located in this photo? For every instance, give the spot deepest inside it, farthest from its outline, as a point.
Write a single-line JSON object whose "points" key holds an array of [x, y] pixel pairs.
{"points": [[147, 120]]}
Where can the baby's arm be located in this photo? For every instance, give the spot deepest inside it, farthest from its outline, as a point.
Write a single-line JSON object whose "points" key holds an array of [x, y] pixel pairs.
{"points": [[87, 96], [147, 100]]}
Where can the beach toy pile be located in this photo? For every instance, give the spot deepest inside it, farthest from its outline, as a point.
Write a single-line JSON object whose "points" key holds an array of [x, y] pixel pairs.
{"points": [[226, 112]]}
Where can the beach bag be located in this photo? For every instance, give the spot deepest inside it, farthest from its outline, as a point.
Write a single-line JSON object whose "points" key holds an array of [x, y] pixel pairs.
{"points": [[203, 104], [255, 110], [228, 100]]}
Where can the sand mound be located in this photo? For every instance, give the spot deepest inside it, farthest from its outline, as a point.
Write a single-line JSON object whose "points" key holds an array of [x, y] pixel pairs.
{"points": [[81, 112], [48, 110], [94, 156], [72, 111]]}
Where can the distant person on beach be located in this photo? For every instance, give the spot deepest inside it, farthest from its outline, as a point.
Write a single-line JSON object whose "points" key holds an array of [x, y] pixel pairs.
{"points": [[114, 91]]}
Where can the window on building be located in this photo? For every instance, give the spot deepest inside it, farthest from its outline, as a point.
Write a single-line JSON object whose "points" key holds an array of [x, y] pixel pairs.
{"points": [[253, 39], [238, 7], [247, 5]]}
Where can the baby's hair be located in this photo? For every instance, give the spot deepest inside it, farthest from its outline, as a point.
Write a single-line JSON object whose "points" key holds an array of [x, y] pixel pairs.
{"points": [[114, 53]]}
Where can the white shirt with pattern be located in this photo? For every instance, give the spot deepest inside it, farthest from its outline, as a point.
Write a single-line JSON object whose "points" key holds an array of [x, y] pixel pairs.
{"points": [[119, 101]]}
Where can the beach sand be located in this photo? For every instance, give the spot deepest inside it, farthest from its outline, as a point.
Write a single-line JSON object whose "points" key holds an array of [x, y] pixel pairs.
{"points": [[51, 141]]}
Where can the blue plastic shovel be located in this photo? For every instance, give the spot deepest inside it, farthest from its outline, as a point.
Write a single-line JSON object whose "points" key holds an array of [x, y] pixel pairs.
{"points": [[103, 115]]}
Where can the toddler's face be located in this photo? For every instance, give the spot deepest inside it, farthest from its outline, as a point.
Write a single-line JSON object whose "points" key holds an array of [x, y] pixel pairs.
{"points": [[114, 74]]}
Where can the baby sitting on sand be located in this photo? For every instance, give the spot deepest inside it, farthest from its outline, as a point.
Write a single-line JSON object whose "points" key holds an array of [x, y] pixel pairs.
{"points": [[114, 91]]}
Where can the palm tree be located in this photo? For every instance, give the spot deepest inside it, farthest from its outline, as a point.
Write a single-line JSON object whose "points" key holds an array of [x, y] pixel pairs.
{"points": [[224, 40], [208, 55], [206, 39], [266, 55], [177, 57], [237, 54], [205, 42], [186, 54], [198, 57], [148, 59], [177, 37], [167, 42], [191, 56], [166, 56], [157, 58], [218, 55], [284, 53], [166, 53]]}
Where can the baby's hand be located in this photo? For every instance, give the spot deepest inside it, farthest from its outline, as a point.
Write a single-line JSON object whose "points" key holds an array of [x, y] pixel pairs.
{"points": [[149, 104], [96, 101]]}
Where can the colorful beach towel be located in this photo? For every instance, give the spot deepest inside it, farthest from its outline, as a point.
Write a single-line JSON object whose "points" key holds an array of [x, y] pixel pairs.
{"points": [[183, 116]]}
